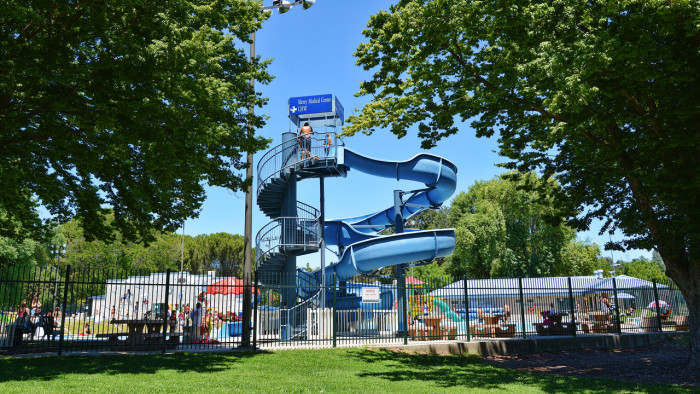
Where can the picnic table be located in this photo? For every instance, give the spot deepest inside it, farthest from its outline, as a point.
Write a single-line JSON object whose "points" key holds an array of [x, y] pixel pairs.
{"points": [[433, 329], [143, 334], [599, 323]]}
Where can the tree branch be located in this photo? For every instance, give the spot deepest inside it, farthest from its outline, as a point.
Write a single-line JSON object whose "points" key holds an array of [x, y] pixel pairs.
{"points": [[664, 246], [528, 104]]}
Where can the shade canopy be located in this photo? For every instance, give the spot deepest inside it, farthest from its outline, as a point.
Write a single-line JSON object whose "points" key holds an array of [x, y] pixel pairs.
{"points": [[662, 304], [413, 281], [228, 286]]}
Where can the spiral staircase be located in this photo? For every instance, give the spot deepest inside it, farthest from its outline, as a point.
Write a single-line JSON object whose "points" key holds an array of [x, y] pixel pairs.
{"points": [[298, 231]]}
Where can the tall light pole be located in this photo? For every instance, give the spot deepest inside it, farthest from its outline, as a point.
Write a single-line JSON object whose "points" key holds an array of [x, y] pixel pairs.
{"points": [[282, 6], [58, 250], [182, 255], [612, 259]]}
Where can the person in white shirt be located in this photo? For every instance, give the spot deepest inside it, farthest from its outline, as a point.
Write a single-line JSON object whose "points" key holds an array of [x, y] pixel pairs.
{"points": [[196, 316]]}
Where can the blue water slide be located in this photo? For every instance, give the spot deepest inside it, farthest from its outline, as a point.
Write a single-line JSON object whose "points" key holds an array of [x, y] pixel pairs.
{"points": [[365, 251], [371, 254]]}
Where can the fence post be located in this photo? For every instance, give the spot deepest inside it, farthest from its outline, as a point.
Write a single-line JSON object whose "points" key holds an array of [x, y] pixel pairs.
{"points": [[466, 307], [658, 307], [617, 307], [572, 308], [522, 307], [403, 312], [255, 310], [167, 308], [63, 311], [335, 324]]}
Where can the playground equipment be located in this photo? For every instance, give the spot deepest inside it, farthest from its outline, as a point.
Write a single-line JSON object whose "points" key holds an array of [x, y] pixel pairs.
{"points": [[447, 311], [297, 228]]}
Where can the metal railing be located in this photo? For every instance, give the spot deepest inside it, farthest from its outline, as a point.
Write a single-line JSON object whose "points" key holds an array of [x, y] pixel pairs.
{"points": [[287, 154], [302, 231], [98, 310], [112, 310]]}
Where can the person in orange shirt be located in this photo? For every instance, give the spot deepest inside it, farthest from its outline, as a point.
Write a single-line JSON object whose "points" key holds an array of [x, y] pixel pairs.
{"points": [[305, 134]]}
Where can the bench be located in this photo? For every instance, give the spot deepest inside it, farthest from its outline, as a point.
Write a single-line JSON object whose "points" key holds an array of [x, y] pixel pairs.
{"points": [[113, 337], [681, 323], [171, 343], [493, 330]]}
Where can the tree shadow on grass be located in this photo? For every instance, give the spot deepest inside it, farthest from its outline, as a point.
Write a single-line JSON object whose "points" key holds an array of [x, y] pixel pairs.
{"points": [[470, 372], [49, 368]]}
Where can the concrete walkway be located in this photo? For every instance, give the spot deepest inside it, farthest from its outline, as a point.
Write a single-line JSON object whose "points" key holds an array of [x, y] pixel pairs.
{"points": [[486, 347], [505, 347]]}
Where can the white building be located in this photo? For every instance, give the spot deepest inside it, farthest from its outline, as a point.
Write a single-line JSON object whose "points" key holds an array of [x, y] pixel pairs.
{"points": [[145, 296]]}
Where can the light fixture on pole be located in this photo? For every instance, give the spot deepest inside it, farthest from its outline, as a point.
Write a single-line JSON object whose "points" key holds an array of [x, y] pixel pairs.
{"points": [[282, 6], [612, 259], [58, 250], [182, 255]]}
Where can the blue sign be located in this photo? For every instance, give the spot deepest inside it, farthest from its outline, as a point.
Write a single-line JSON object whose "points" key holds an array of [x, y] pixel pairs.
{"points": [[339, 111], [311, 104]]}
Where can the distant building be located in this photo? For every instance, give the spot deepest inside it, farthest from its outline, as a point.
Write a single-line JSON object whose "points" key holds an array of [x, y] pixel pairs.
{"points": [[145, 296]]}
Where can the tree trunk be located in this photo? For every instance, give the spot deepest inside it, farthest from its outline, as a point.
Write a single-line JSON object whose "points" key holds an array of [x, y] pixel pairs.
{"points": [[694, 326], [686, 274]]}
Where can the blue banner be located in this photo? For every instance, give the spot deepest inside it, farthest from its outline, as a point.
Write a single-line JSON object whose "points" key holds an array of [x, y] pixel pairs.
{"points": [[311, 104]]}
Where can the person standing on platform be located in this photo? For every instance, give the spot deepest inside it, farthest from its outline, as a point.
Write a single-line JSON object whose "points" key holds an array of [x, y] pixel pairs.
{"points": [[327, 144], [304, 138]]}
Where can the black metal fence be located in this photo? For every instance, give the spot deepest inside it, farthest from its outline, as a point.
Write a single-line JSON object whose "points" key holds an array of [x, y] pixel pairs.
{"points": [[63, 311]]}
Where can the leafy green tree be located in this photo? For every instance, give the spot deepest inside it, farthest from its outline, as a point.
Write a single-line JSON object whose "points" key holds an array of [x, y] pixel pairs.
{"points": [[642, 268], [21, 264], [430, 219], [130, 105], [505, 230], [656, 258], [601, 95], [437, 270], [226, 253], [582, 258]]}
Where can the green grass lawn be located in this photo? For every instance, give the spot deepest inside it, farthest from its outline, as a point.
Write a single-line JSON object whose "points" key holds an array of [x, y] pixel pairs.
{"points": [[328, 370]]}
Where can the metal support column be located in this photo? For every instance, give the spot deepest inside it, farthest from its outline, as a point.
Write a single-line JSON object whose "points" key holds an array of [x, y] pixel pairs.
{"points": [[400, 270], [617, 308], [167, 307], [522, 307], [288, 224], [323, 242], [658, 307], [63, 311], [571, 307], [466, 307]]}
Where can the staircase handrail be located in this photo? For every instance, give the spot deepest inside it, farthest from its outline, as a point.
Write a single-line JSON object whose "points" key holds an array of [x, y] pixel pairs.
{"points": [[298, 311], [270, 236], [274, 161]]}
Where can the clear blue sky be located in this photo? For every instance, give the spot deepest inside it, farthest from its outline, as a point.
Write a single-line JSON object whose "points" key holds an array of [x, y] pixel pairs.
{"points": [[313, 54]]}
